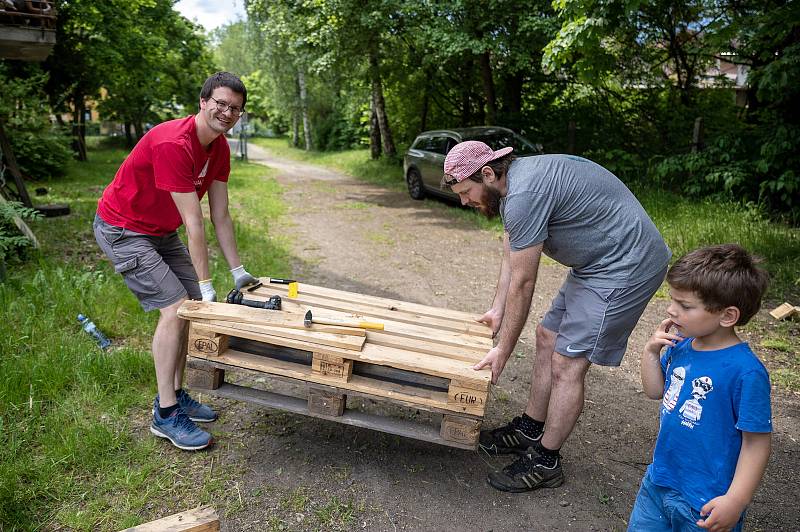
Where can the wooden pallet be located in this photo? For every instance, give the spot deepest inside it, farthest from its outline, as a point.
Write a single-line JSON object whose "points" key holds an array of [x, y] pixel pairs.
{"points": [[422, 359]]}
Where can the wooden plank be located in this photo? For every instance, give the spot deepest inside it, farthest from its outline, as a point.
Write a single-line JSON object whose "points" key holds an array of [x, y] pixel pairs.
{"points": [[784, 311], [364, 369], [419, 331], [469, 327], [400, 427], [203, 519], [385, 356], [462, 430], [353, 343], [23, 227], [428, 346], [393, 305], [208, 310], [412, 396]]}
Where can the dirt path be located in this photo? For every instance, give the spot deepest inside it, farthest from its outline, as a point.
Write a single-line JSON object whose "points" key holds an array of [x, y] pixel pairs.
{"points": [[300, 473]]}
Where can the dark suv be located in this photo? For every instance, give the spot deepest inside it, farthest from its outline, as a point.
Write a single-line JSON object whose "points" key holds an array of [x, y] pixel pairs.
{"points": [[423, 163]]}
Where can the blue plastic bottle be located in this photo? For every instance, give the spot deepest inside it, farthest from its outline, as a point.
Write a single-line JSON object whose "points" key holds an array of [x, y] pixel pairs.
{"points": [[89, 326]]}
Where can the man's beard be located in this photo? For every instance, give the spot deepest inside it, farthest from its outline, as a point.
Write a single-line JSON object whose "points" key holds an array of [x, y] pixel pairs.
{"points": [[490, 202]]}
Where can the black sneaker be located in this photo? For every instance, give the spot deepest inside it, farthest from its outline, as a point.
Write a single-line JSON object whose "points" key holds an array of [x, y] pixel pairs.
{"points": [[527, 474], [508, 439]]}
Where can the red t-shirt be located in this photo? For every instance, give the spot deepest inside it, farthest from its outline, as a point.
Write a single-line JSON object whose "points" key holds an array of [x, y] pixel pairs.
{"points": [[168, 158]]}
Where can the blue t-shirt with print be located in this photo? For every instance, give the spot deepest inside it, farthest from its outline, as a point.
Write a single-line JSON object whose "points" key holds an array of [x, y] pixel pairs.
{"points": [[710, 398]]}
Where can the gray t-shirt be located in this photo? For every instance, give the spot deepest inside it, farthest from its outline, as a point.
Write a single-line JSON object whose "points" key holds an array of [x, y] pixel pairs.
{"points": [[585, 217]]}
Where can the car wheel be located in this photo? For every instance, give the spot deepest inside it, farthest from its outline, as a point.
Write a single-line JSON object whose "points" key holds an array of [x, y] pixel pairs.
{"points": [[415, 187]]}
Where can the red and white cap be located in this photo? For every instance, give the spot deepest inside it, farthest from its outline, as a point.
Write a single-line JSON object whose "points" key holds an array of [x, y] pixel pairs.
{"points": [[468, 157]]}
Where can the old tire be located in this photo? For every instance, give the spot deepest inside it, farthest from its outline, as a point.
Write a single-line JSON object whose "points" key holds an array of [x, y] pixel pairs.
{"points": [[53, 209], [415, 187]]}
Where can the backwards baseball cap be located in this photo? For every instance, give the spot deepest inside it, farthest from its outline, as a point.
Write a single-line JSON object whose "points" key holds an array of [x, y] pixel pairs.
{"points": [[468, 157]]}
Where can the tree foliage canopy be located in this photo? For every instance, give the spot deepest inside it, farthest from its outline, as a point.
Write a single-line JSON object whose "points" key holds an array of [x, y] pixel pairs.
{"points": [[622, 81]]}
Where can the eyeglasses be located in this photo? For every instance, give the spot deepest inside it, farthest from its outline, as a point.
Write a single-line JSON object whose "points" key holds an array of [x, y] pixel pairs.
{"points": [[224, 106]]}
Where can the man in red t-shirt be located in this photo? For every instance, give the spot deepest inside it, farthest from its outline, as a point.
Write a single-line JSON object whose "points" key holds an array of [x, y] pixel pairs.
{"points": [[159, 187]]}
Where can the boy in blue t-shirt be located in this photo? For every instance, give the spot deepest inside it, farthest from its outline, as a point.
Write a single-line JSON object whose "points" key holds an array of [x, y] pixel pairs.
{"points": [[714, 439]]}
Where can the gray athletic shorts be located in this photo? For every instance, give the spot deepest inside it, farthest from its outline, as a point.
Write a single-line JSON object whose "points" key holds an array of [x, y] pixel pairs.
{"points": [[157, 269], [595, 323]]}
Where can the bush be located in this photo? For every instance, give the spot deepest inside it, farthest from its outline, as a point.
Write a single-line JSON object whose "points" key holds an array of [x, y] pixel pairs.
{"points": [[39, 150], [41, 154], [754, 168]]}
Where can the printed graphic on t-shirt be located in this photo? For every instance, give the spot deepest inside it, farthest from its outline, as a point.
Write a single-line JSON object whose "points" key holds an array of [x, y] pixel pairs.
{"points": [[691, 411], [199, 179], [676, 383]]}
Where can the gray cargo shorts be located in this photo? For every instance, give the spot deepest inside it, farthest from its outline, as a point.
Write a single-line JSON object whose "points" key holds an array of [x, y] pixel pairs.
{"points": [[595, 323], [157, 269]]}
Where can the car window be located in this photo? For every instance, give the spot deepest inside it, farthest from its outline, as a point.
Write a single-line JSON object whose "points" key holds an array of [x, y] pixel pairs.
{"points": [[438, 145], [503, 139], [449, 143], [420, 143]]}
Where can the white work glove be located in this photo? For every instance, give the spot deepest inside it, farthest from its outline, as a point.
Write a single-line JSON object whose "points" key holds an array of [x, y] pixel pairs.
{"points": [[242, 278], [207, 290]]}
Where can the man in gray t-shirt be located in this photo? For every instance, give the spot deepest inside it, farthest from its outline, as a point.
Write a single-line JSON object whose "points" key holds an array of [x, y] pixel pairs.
{"points": [[578, 213]]}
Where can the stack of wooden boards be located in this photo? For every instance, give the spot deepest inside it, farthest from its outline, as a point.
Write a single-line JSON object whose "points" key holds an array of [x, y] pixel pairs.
{"points": [[422, 358]]}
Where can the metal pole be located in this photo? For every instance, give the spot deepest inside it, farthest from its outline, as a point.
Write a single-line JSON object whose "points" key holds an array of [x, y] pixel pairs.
{"points": [[243, 138]]}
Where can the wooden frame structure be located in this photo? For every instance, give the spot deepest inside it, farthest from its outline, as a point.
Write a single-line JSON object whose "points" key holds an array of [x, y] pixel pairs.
{"points": [[422, 359]]}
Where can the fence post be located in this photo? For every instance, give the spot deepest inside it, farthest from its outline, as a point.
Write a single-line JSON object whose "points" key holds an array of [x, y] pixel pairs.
{"points": [[697, 135]]}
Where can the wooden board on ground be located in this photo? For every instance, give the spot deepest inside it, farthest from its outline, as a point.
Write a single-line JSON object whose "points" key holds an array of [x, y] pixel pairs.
{"points": [[784, 311], [422, 359], [198, 520]]}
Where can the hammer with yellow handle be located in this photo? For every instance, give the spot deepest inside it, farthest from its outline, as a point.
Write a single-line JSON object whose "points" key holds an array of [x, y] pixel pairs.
{"points": [[309, 319]]}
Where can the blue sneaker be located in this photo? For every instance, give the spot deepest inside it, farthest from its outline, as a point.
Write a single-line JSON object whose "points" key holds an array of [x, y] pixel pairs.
{"points": [[196, 411], [180, 430]]}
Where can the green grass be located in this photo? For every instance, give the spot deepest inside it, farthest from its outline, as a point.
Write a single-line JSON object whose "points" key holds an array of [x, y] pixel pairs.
{"points": [[74, 447], [688, 224]]}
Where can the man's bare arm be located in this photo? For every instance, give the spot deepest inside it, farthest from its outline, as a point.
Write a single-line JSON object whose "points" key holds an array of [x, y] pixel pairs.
{"points": [[494, 316], [523, 267], [188, 206], [223, 224]]}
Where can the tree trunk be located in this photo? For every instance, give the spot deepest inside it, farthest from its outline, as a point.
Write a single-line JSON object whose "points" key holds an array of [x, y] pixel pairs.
{"points": [[466, 104], [379, 105], [129, 143], [137, 127], [374, 134], [426, 98], [488, 89], [513, 84], [423, 125], [295, 130], [571, 127], [301, 82], [79, 126]]}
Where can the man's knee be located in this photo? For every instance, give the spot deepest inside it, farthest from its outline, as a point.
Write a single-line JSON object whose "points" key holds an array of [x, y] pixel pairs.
{"points": [[170, 312], [545, 338], [567, 369]]}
